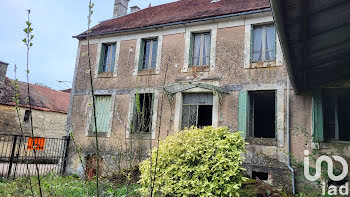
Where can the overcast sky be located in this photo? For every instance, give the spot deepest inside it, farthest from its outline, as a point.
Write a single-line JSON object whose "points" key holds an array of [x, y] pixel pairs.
{"points": [[52, 57]]}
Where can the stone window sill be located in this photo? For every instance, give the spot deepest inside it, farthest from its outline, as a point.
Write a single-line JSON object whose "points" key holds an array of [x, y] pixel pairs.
{"points": [[146, 72], [263, 64], [199, 68], [105, 75], [99, 134], [261, 141]]}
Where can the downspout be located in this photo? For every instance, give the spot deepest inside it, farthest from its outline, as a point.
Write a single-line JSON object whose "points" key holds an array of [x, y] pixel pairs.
{"points": [[288, 138]]}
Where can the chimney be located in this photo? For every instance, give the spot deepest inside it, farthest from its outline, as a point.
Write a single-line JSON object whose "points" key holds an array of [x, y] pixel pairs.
{"points": [[3, 69], [134, 9], [120, 8]]}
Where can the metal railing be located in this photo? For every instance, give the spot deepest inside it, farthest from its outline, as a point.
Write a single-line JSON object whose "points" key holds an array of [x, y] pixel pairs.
{"points": [[17, 155]]}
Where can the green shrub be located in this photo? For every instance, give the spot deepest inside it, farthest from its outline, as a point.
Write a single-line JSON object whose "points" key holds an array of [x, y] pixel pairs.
{"points": [[196, 162]]}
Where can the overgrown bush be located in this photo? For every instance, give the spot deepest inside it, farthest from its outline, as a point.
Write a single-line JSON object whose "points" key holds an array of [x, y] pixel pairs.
{"points": [[196, 162]]}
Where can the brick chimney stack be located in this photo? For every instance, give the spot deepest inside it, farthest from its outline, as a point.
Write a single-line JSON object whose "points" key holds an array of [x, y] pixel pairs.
{"points": [[120, 8]]}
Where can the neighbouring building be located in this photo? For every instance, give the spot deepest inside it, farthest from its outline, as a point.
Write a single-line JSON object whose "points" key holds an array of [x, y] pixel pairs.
{"points": [[49, 108], [188, 63]]}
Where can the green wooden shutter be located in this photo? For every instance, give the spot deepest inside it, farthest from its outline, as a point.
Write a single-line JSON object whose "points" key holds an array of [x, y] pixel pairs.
{"points": [[102, 56], [103, 106], [243, 112], [251, 43], [190, 51], [142, 51], [317, 115]]}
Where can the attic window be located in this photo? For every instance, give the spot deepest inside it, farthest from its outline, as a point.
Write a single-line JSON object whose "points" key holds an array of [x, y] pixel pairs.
{"points": [[214, 1]]}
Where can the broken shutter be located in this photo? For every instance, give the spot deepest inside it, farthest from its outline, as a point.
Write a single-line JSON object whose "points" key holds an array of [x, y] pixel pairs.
{"points": [[103, 106], [317, 115], [243, 112]]}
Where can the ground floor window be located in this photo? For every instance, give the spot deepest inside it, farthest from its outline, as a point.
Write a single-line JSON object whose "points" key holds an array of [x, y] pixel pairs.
{"points": [[142, 116], [197, 110], [262, 114], [336, 114]]}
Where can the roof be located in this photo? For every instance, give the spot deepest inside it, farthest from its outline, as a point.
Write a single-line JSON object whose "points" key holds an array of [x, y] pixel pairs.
{"points": [[315, 37], [42, 98], [1, 62], [179, 11], [179, 87]]}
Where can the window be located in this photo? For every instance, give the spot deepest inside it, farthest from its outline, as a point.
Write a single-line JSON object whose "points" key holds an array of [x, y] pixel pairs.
{"points": [[107, 58], [336, 114], [257, 114], [200, 49], [27, 115], [148, 57], [142, 118], [264, 42], [103, 114], [261, 121], [197, 110]]}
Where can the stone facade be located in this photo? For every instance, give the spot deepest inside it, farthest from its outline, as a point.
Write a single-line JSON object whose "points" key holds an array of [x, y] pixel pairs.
{"points": [[229, 70]]}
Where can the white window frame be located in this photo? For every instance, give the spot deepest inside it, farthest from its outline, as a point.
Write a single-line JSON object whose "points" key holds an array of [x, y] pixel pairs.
{"points": [[179, 104], [138, 53], [90, 113], [155, 93], [249, 24], [189, 31], [99, 60]]}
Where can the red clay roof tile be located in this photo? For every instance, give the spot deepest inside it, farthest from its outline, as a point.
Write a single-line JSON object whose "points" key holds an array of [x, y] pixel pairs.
{"points": [[42, 98], [183, 10]]}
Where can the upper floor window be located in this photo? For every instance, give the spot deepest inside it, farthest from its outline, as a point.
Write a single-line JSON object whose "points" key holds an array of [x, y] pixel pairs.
{"points": [[148, 57], [264, 42], [108, 58], [200, 49]]}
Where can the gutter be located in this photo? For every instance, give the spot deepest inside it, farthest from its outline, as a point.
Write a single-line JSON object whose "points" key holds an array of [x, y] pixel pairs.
{"points": [[178, 23], [288, 138], [278, 18]]}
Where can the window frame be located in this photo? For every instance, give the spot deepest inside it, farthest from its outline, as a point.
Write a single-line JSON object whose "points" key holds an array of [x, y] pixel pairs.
{"points": [[201, 50], [263, 41], [89, 127], [142, 133], [113, 45], [197, 107], [251, 110], [143, 51]]}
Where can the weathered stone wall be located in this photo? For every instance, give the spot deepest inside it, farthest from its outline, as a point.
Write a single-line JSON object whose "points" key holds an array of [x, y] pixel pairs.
{"points": [[45, 123], [229, 73]]}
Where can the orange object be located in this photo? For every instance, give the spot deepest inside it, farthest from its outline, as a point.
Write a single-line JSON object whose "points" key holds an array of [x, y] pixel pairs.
{"points": [[38, 143]]}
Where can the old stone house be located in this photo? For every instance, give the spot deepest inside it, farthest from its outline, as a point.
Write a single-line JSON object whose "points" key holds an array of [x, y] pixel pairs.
{"points": [[189, 63], [49, 109]]}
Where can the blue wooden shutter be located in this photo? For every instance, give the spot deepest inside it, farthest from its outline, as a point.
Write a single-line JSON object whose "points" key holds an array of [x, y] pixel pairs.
{"points": [[103, 106], [243, 112], [317, 115]]}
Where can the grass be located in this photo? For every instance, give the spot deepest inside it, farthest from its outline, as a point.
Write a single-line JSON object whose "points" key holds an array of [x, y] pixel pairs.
{"points": [[67, 186]]}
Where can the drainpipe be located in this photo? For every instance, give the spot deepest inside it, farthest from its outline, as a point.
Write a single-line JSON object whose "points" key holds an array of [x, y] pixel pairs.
{"points": [[288, 138]]}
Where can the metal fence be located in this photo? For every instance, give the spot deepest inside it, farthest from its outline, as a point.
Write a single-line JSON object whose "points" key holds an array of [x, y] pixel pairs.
{"points": [[17, 157]]}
